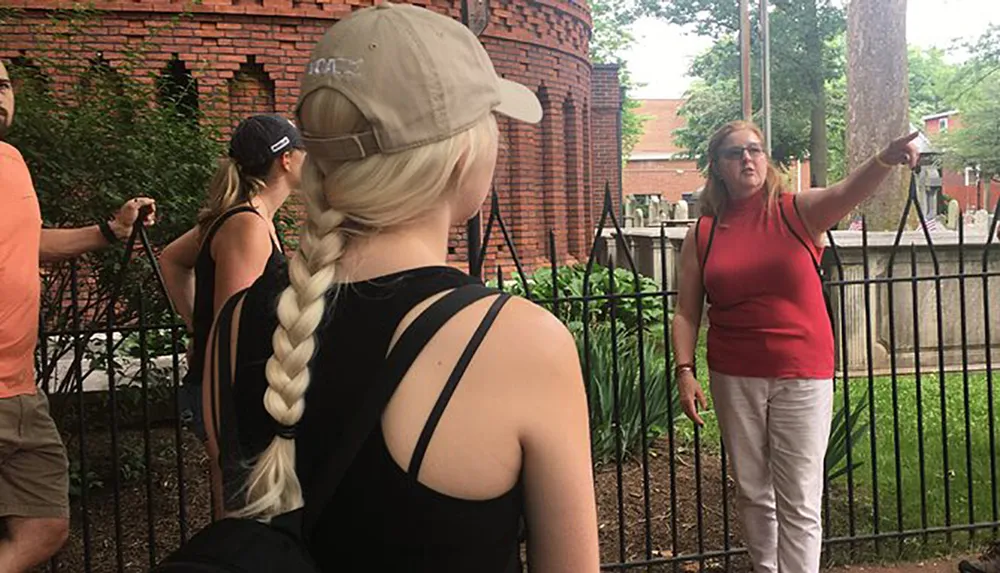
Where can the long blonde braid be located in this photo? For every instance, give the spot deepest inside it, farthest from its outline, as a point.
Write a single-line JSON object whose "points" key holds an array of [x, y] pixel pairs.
{"points": [[343, 201], [274, 487]]}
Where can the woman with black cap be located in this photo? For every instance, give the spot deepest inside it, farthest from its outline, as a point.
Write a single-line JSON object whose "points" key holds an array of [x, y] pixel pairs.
{"points": [[235, 240]]}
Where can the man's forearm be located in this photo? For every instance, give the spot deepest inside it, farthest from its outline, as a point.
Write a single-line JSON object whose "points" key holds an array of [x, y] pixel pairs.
{"points": [[61, 244]]}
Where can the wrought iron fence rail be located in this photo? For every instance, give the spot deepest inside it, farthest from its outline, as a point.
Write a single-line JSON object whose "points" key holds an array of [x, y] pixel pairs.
{"points": [[639, 389]]}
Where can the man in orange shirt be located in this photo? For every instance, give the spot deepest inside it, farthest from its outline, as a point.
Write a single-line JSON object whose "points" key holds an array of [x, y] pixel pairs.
{"points": [[34, 481]]}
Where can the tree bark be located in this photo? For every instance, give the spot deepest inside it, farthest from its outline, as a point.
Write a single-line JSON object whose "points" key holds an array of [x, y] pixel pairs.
{"points": [[818, 146], [877, 99]]}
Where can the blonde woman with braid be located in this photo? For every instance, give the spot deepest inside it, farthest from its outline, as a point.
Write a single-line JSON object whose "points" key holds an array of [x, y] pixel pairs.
{"points": [[234, 241], [488, 424]]}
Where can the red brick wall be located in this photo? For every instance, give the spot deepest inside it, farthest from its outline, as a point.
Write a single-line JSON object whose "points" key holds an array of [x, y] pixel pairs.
{"points": [[246, 57], [251, 91], [669, 179], [604, 126], [953, 182]]}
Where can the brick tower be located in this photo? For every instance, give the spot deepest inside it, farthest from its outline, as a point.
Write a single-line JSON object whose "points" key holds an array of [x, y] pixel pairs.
{"points": [[245, 56]]}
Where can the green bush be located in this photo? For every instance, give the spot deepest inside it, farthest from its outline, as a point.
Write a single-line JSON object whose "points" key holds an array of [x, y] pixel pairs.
{"points": [[610, 425], [844, 424], [94, 136], [565, 298]]}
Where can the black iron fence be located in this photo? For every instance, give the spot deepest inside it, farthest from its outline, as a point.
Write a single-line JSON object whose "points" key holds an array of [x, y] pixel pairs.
{"points": [[911, 469]]}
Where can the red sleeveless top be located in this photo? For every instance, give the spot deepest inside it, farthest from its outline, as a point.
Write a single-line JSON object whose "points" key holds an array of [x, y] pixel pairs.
{"points": [[767, 317]]}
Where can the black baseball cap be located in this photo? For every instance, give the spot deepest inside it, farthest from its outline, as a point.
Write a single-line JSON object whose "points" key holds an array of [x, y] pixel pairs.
{"points": [[258, 139]]}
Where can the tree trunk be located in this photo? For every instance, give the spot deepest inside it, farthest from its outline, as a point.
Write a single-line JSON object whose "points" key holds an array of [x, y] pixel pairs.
{"points": [[818, 146], [877, 99]]}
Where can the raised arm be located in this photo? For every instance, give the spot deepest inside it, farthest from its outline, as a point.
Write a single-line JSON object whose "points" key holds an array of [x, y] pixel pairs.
{"points": [[686, 323], [822, 208], [61, 244], [177, 265]]}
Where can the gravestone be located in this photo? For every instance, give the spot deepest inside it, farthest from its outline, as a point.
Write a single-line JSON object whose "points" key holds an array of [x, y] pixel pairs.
{"points": [[681, 210], [954, 215]]}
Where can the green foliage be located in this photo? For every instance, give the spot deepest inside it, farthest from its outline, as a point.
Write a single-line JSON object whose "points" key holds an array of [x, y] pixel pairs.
{"points": [[931, 83], [76, 480], [611, 37], [974, 93], [565, 297], [844, 424], [622, 427], [806, 54], [977, 142], [95, 135]]}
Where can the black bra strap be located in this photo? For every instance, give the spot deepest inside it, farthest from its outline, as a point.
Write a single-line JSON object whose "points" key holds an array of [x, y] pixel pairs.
{"points": [[449, 388], [812, 255], [368, 412], [217, 223]]}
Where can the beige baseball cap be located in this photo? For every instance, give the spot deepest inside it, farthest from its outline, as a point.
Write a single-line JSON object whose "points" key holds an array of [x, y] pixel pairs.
{"points": [[417, 76]]}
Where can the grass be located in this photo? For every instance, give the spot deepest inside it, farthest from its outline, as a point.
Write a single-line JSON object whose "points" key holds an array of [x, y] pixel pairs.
{"points": [[958, 485], [925, 434]]}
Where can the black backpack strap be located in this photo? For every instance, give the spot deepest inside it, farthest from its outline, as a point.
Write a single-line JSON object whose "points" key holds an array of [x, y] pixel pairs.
{"points": [[812, 255], [221, 356], [449, 388], [816, 264], [369, 411], [708, 249]]}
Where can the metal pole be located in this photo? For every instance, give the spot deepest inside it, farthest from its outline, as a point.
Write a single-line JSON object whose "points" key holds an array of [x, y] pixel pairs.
{"points": [[745, 59], [476, 20], [765, 41]]}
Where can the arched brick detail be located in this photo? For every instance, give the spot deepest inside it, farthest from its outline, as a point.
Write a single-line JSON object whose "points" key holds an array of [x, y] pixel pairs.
{"points": [[574, 179], [543, 42], [176, 85], [251, 90], [26, 74]]}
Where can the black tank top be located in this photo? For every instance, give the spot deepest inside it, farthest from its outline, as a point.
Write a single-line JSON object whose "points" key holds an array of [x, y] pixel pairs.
{"points": [[381, 519], [204, 290]]}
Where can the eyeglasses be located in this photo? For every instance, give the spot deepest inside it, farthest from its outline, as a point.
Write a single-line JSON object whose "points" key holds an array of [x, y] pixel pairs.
{"points": [[736, 152]]}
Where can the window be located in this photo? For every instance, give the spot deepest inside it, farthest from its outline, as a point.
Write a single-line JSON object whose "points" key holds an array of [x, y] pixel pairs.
{"points": [[943, 124]]}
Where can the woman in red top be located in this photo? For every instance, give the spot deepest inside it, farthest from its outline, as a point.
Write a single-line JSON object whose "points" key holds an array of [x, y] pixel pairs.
{"points": [[770, 343]]}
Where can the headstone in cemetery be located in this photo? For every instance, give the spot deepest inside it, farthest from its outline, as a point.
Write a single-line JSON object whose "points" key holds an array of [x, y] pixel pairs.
{"points": [[981, 221], [629, 211], [954, 215], [681, 210]]}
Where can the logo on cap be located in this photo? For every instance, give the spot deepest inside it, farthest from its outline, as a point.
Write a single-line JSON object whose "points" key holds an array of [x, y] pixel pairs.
{"points": [[280, 144], [334, 67]]}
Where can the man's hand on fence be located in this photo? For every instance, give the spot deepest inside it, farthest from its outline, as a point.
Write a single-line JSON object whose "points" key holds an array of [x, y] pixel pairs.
{"points": [[123, 221]]}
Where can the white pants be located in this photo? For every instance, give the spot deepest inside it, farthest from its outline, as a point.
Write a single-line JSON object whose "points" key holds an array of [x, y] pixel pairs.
{"points": [[775, 433]]}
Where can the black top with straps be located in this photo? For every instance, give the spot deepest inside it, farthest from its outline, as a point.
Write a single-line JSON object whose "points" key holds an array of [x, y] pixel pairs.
{"points": [[402, 524], [204, 289]]}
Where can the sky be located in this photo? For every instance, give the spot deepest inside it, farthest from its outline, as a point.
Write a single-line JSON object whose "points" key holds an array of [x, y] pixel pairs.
{"points": [[929, 23]]}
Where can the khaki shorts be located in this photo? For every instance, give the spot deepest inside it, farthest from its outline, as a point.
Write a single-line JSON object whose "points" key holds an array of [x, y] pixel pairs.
{"points": [[34, 471]]}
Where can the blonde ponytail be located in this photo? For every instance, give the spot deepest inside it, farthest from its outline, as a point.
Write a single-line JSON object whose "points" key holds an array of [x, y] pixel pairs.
{"points": [[343, 201], [227, 188]]}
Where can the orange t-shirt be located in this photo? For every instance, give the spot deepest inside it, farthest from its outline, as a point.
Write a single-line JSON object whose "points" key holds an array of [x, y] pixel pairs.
{"points": [[20, 286]]}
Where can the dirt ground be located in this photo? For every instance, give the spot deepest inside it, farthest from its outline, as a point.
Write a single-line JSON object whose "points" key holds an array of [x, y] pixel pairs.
{"points": [[934, 566], [702, 501]]}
